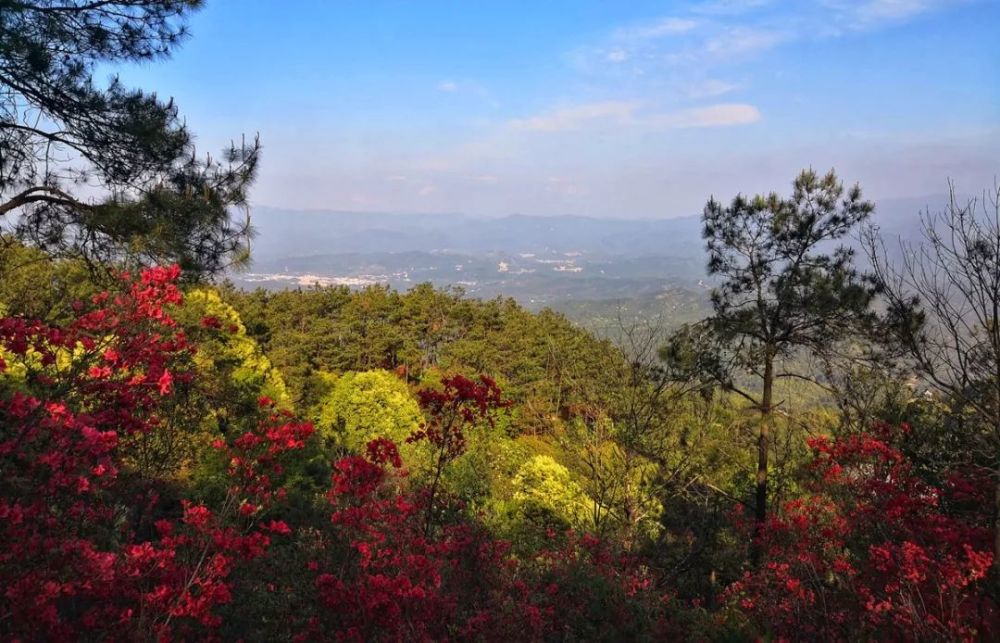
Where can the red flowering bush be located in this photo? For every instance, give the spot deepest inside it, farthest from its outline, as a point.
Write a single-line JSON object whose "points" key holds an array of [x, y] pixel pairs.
{"points": [[72, 559], [875, 551], [379, 575], [583, 588], [93, 547], [398, 579], [460, 403]]}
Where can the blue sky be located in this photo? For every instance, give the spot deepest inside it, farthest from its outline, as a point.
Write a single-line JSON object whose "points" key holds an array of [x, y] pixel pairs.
{"points": [[595, 107]]}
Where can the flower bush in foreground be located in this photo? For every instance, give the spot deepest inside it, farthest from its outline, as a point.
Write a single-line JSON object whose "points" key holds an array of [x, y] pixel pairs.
{"points": [[76, 558], [875, 551], [93, 549], [93, 546]]}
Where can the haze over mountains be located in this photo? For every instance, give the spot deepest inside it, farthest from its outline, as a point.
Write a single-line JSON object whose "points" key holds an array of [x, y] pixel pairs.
{"points": [[571, 263]]}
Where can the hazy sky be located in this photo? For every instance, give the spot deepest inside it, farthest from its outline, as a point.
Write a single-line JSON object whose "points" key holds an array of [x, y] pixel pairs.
{"points": [[597, 107]]}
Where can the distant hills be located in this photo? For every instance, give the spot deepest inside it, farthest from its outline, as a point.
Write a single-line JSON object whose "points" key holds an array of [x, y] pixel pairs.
{"points": [[284, 233], [571, 263], [295, 233]]}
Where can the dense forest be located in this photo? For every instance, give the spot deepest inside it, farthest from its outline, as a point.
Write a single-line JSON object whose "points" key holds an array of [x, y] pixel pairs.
{"points": [[181, 459]]}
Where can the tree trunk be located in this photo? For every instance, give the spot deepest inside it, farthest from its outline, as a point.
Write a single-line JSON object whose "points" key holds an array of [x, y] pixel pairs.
{"points": [[995, 568], [995, 337], [996, 536], [995, 571], [763, 439], [629, 506]]}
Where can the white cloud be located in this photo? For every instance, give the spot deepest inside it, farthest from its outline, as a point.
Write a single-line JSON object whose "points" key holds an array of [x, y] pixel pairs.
{"points": [[743, 41], [715, 33], [467, 87], [721, 115], [710, 88], [426, 190], [729, 7], [870, 14], [577, 116], [628, 114], [617, 55], [893, 9], [659, 29]]}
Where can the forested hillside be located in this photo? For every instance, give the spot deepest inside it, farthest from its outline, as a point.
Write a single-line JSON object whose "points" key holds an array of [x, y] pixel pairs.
{"points": [[813, 456], [589, 477]]}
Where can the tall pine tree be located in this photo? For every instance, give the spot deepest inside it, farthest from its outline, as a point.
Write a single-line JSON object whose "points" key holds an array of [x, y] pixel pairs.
{"points": [[784, 287], [100, 170]]}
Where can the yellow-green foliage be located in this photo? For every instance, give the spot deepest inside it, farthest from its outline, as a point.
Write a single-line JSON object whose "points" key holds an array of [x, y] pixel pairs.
{"points": [[367, 405], [17, 367], [37, 286], [616, 479], [484, 474], [544, 483], [250, 368]]}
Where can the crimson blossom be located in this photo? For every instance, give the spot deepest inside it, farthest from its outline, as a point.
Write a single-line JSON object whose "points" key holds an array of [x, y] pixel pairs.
{"points": [[875, 551], [74, 557]]}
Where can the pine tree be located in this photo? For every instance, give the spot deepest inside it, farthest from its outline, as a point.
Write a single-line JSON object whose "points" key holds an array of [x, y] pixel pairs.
{"points": [[783, 288], [101, 170]]}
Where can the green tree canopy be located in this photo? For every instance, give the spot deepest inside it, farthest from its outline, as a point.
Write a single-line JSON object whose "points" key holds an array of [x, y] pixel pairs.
{"points": [[543, 483], [230, 353], [368, 405]]}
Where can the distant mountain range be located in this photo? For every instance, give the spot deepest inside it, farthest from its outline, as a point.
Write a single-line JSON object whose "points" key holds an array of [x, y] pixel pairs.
{"points": [[294, 233], [284, 233], [556, 261]]}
